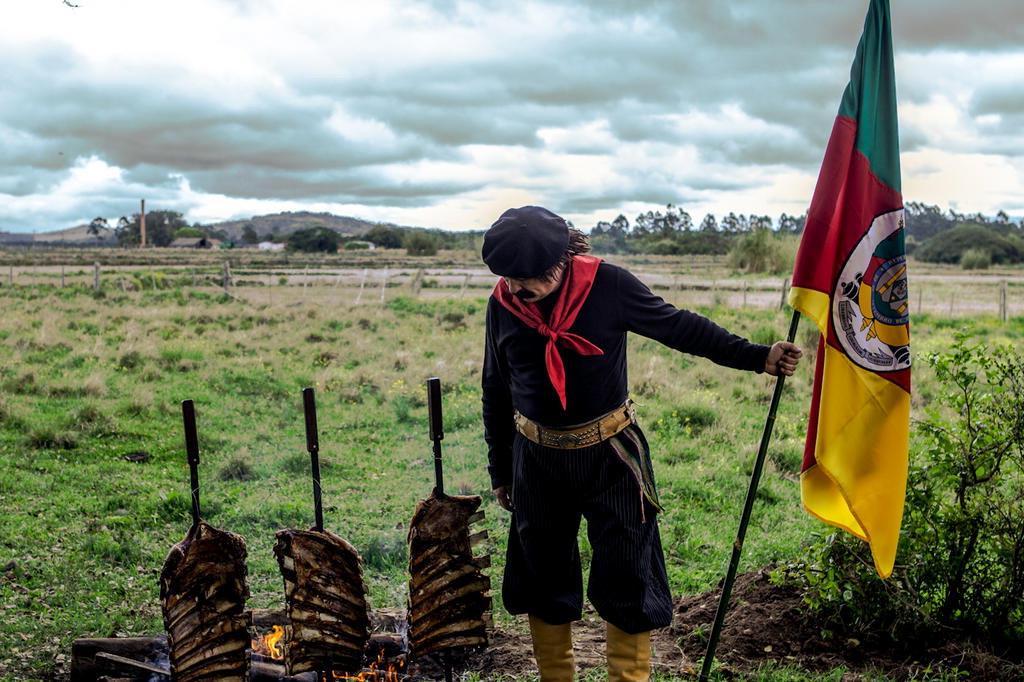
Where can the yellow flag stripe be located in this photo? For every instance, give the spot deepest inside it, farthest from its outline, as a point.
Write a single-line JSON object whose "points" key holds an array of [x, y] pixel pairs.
{"points": [[814, 304], [861, 450]]}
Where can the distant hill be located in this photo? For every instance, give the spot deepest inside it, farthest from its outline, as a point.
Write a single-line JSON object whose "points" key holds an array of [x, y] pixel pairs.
{"points": [[283, 224], [949, 246], [76, 235], [279, 224]]}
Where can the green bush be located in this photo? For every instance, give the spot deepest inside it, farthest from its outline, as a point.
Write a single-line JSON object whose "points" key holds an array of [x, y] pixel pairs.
{"points": [[314, 240], [960, 564], [385, 237], [763, 251], [949, 246], [188, 233], [421, 244], [975, 259]]}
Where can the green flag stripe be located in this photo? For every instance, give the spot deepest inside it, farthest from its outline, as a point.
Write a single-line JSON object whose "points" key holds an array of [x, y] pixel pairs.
{"points": [[870, 97]]}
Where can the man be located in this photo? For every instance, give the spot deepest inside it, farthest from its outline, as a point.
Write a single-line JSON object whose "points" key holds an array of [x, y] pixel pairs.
{"points": [[563, 440]]}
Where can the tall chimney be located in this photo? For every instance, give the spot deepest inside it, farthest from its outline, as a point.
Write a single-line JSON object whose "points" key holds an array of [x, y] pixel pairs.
{"points": [[142, 225]]}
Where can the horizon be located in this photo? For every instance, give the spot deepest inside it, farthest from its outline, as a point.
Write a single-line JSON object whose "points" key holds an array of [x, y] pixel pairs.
{"points": [[1018, 219]]}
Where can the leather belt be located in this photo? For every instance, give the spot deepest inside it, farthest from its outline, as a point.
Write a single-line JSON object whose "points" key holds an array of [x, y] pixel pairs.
{"points": [[581, 436]]}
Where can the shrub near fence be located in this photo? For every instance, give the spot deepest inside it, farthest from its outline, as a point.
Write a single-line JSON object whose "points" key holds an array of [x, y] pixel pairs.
{"points": [[763, 251], [976, 259]]}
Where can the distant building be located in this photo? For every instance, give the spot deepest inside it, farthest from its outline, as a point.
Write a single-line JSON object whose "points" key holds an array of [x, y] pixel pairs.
{"points": [[270, 246], [194, 243]]}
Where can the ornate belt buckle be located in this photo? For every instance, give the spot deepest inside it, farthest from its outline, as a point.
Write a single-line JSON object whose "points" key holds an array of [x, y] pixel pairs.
{"points": [[563, 440]]}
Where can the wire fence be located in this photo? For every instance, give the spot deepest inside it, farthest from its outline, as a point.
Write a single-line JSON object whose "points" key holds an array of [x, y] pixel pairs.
{"points": [[944, 294]]}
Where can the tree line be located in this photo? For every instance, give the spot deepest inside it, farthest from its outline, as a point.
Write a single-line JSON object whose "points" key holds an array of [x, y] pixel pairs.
{"points": [[932, 234]]}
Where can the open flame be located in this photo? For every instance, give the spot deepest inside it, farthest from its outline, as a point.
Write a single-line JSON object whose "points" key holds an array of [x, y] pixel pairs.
{"points": [[377, 672], [268, 643]]}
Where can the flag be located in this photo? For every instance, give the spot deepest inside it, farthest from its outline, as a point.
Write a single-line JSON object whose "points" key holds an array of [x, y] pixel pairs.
{"points": [[850, 277]]}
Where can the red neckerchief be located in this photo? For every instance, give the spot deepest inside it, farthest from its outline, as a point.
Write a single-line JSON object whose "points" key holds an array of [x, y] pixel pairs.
{"points": [[579, 278]]}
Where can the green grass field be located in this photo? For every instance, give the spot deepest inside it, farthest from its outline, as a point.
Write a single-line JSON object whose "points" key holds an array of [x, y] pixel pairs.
{"points": [[86, 380]]}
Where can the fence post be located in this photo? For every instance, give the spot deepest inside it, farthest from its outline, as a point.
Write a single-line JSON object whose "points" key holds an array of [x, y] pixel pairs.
{"points": [[226, 278], [744, 294], [270, 288], [920, 296], [305, 280], [10, 276], [62, 276], [383, 285], [96, 276], [362, 285], [1004, 313], [465, 283], [785, 290], [417, 283]]}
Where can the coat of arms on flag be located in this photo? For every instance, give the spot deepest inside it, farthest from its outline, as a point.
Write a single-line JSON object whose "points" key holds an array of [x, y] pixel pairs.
{"points": [[870, 310]]}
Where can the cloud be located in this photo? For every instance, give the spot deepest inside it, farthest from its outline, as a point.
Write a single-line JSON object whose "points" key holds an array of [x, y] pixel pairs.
{"points": [[437, 112]]}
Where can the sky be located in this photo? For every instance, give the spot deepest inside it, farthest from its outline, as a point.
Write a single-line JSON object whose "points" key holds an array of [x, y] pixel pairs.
{"points": [[445, 113]]}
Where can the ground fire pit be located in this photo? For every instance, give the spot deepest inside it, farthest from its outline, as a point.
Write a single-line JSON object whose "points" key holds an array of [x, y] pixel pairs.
{"points": [[146, 658]]}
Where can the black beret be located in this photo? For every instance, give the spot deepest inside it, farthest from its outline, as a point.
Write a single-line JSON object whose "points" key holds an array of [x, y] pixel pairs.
{"points": [[525, 242]]}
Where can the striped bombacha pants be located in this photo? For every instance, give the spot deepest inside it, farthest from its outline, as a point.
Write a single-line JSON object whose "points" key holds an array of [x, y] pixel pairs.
{"points": [[552, 490]]}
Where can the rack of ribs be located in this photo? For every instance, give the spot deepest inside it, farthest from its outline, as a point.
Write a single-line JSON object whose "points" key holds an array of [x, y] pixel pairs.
{"points": [[202, 592], [325, 601], [449, 601]]}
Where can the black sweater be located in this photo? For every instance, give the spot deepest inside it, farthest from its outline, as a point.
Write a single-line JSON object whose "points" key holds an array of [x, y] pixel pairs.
{"points": [[515, 376]]}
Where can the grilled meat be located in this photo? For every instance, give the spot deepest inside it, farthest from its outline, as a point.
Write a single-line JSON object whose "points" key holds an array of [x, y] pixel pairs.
{"points": [[203, 593], [325, 601], [449, 603]]}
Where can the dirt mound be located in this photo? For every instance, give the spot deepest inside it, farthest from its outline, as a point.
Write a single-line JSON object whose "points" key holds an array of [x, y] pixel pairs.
{"points": [[765, 623], [769, 622]]}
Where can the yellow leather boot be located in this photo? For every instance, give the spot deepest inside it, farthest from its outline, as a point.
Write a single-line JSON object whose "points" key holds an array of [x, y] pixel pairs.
{"points": [[629, 656], [552, 647]]}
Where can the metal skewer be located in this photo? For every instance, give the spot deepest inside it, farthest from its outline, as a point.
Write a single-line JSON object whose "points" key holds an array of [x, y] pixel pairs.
{"points": [[436, 429], [313, 447], [437, 435], [188, 414]]}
